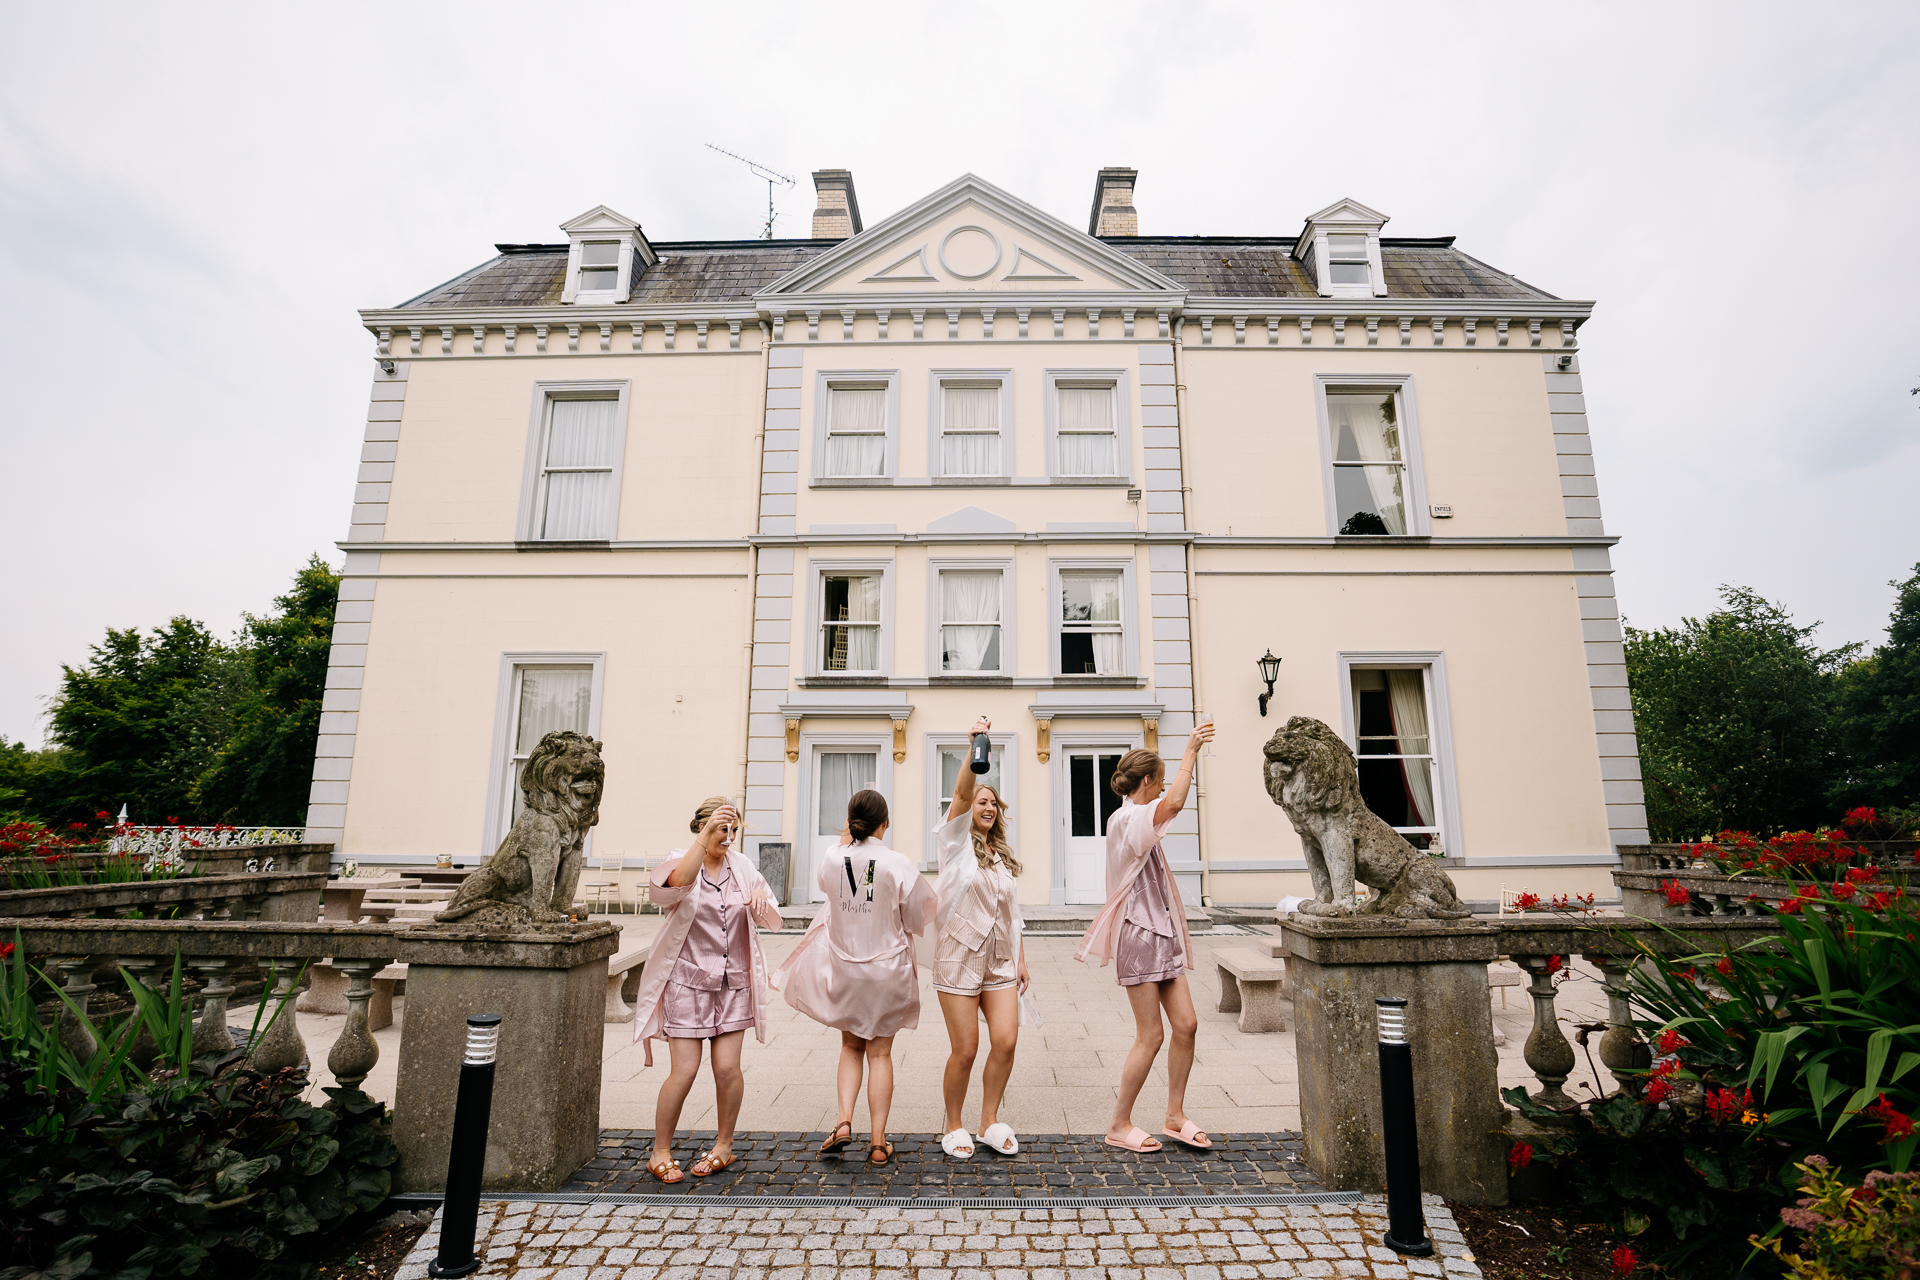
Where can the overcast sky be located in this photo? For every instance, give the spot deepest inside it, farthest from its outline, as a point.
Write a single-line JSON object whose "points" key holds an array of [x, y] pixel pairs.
{"points": [[194, 200]]}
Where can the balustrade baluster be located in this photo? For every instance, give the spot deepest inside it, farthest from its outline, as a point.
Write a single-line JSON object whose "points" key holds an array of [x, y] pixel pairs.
{"points": [[1621, 1049], [355, 1052], [75, 1034], [1548, 1055], [280, 1046], [210, 1034], [147, 971]]}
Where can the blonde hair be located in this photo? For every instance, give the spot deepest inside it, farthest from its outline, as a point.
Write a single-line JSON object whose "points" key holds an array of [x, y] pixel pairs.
{"points": [[995, 840], [708, 807]]}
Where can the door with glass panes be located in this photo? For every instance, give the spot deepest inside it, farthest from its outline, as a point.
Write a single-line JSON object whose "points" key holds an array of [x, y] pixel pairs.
{"points": [[838, 772], [1090, 802]]}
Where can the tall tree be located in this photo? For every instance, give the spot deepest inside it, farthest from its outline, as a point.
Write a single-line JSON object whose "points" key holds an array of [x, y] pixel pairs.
{"points": [[1879, 712], [144, 718], [263, 772], [1735, 717]]}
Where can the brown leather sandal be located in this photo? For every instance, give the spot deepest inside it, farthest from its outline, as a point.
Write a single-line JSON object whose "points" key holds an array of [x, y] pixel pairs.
{"points": [[835, 1142], [709, 1163], [879, 1156], [667, 1171]]}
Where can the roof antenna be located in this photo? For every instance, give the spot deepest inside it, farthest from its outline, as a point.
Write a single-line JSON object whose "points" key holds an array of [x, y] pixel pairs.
{"points": [[759, 171]]}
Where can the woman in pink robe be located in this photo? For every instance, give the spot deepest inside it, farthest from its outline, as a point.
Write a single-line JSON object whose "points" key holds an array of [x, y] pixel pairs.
{"points": [[855, 972], [1143, 930], [705, 979]]}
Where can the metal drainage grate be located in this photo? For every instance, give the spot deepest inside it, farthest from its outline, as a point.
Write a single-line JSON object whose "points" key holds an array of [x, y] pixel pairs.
{"points": [[422, 1199]]}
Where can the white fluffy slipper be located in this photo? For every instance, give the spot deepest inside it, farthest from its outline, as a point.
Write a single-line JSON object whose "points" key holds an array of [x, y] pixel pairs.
{"points": [[958, 1138], [1000, 1138]]}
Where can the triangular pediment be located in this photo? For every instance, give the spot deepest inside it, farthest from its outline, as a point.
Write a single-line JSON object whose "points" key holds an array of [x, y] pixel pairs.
{"points": [[599, 218], [1348, 211], [971, 237], [971, 520]]}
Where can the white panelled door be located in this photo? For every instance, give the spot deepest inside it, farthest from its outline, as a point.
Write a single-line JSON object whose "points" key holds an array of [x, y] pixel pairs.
{"points": [[1090, 802], [838, 772]]}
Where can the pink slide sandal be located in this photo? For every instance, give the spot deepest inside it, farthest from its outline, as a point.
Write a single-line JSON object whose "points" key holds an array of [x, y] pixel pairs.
{"points": [[1190, 1135], [1137, 1140]]}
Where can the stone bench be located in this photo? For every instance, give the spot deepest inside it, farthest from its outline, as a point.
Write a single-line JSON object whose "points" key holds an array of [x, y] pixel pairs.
{"points": [[623, 982], [1502, 978], [1277, 948], [1250, 985]]}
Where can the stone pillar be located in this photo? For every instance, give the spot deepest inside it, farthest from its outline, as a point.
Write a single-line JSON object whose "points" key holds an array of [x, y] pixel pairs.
{"points": [[1339, 966], [549, 989]]}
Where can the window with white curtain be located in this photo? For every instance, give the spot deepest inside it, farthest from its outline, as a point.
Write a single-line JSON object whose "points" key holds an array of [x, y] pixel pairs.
{"points": [[850, 623], [843, 774], [1369, 464], [1085, 429], [952, 761], [856, 429], [969, 622], [599, 265], [1399, 769], [1347, 260], [970, 428], [545, 698], [1091, 629], [576, 481]]}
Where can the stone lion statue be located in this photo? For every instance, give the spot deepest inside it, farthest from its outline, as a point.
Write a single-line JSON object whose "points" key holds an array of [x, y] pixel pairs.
{"points": [[532, 875], [1311, 774]]}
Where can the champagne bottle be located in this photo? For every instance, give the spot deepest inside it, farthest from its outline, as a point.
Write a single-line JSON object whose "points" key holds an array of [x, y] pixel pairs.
{"points": [[982, 759]]}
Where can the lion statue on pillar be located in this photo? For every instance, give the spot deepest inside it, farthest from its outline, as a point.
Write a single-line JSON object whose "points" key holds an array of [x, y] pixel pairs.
{"points": [[532, 875], [1311, 774]]}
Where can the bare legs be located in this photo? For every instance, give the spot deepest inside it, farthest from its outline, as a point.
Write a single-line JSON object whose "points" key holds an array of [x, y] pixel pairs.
{"points": [[729, 1085], [1148, 1000], [963, 1033], [876, 1056]]}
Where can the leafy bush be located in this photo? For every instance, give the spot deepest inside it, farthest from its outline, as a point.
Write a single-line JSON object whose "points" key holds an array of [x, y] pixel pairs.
{"points": [[191, 1167], [1852, 1232], [1800, 1045]]}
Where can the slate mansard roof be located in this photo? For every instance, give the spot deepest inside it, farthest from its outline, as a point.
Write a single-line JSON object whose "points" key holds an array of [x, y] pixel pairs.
{"points": [[733, 271]]}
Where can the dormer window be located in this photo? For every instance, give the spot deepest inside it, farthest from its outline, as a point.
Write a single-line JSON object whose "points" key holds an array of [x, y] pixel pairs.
{"points": [[1347, 260], [606, 255], [599, 265]]}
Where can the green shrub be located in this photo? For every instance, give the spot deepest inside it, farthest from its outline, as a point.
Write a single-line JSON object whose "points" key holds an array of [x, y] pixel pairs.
{"points": [[190, 1167], [1852, 1232]]}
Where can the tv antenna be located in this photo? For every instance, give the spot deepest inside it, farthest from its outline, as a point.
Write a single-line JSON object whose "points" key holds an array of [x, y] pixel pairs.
{"points": [[771, 176]]}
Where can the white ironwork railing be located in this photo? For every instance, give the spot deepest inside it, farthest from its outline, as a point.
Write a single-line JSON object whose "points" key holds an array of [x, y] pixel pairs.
{"points": [[164, 844]]}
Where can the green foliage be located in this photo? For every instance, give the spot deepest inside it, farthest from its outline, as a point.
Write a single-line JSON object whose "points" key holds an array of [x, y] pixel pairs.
{"points": [[1734, 716], [187, 1168], [1879, 711], [262, 774], [1850, 1232]]}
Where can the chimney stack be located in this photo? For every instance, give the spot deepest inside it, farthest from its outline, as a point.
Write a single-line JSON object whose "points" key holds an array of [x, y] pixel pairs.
{"points": [[1113, 211], [837, 215]]}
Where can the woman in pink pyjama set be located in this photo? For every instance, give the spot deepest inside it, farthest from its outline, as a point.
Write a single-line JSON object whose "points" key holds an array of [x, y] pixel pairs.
{"points": [[1143, 931]]}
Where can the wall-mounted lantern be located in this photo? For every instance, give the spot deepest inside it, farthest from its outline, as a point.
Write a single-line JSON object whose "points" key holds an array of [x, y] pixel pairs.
{"points": [[1269, 671]]}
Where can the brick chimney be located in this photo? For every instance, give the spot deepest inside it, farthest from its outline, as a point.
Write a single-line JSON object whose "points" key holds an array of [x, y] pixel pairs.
{"points": [[837, 216], [1113, 211]]}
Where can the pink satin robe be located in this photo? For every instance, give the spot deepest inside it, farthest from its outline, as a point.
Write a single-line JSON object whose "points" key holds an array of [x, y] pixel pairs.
{"points": [[1131, 836], [679, 903], [855, 970]]}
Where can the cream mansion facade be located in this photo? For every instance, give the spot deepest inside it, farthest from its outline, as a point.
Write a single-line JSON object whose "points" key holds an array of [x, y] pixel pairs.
{"points": [[779, 518]]}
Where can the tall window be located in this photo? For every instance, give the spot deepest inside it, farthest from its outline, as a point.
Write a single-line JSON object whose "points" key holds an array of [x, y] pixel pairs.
{"points": [[576, 497], [1091, 631], [545, 699], [1086, 429], [599, 265], [1398, 771], [969, 622], [952, 761], [850, 623], [842, 775], [857, 429], [970, 428], [1369, 467], [1347, 260]]}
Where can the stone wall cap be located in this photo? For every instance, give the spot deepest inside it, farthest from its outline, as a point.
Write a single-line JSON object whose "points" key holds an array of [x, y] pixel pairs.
{"points": [[563, 948], [1384, 940]]}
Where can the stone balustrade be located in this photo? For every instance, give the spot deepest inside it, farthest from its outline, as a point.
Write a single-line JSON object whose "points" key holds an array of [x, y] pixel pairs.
{"points": [[226, 860], [291, 896], [550, 986], [1644, 893]]}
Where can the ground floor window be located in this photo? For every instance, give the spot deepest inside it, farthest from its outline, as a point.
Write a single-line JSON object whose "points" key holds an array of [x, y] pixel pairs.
{"points": [[540, 697], [1399, 772]]}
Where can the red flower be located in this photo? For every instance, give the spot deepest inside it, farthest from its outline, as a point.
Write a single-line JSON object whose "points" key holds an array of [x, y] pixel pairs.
{"points": [[1860, 875], [102, 816], [1688, 974], [1879, 901], [1723, 1105], [6, 950], [1554, 965], [1864, 816], [1677, 894], [1519, 1157], [1844, 889], [1624, 1261], [1724, 966], [1666, 1068], [1671, 1041], [1526, 902], [1897, 1126], [1658, 1091]]}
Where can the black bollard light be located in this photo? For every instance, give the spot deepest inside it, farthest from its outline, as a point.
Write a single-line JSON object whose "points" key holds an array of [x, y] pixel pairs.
{"points": [[1406, 1224], [466, 1159]]}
